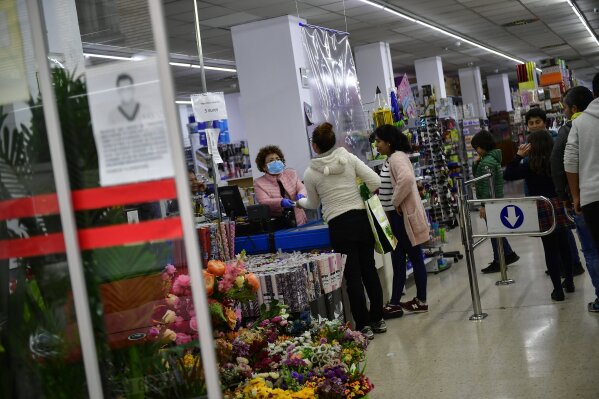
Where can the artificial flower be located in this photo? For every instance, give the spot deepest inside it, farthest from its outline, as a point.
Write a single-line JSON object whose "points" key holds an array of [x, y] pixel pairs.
{"points": [[169, 336], [169, 317]]}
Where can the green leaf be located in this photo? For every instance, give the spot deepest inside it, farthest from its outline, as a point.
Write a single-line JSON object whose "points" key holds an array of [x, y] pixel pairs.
{"points": [[216, 309]]}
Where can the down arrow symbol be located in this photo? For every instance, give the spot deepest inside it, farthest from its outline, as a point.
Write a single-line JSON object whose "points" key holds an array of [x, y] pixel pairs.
{"points": [[512, 217]]}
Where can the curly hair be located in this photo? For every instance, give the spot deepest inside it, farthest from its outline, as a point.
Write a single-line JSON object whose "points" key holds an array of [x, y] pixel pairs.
{"points": [[541, 145], [266, 151]]}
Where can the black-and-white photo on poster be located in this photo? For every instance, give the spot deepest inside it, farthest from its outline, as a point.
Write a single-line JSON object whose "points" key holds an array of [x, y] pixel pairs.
{"points": [[128, 122]]}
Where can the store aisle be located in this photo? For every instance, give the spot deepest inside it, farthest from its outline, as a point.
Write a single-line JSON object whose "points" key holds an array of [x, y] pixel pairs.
{"points": [[528, 347]]}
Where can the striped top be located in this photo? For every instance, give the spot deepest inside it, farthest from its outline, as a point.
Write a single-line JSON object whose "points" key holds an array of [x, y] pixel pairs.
{"points": [[386, 189]]}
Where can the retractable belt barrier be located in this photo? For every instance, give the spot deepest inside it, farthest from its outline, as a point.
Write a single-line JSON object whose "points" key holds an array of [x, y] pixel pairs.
{"points": [[506, 217]]}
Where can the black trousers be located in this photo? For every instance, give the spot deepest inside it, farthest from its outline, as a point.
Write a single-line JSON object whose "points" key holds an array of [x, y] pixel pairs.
{"points": [[351, 235], [591, 218], [557, 253]]}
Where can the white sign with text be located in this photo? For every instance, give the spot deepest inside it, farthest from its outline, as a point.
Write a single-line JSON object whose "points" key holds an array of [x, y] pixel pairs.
{"points": [[128, 122], [209, 106]]}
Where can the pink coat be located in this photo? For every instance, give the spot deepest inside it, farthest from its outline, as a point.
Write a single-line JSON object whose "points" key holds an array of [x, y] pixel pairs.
{"points": [[406, 196], [268, 192]]}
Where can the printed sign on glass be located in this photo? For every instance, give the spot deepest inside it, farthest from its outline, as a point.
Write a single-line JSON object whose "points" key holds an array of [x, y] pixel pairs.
{"points": [[128, 122]]}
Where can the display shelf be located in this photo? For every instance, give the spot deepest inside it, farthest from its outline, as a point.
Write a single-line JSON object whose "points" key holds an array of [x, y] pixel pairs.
{"points": [[244, 177]]}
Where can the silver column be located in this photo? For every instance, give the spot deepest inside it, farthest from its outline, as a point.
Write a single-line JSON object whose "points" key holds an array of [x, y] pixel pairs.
{"points": [[464, 215], [499, 243]]}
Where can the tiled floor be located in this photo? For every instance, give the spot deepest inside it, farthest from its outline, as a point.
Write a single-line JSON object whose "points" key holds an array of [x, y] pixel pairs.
{"points": [[528, 346]]}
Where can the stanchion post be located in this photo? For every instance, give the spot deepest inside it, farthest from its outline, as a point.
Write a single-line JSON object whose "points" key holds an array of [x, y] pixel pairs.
{"points": [[464, 213], [499, 244]]}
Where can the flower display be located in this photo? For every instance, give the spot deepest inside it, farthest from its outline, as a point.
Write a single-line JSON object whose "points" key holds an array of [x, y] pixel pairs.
{"points": [[278, 356]]}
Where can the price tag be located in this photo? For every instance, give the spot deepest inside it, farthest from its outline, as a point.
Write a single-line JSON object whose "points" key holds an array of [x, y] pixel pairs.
{"points": [[209, 106]]}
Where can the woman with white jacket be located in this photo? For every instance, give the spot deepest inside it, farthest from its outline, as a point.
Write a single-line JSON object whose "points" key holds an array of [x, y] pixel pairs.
{"points": [[331, 179], [401, 200]]}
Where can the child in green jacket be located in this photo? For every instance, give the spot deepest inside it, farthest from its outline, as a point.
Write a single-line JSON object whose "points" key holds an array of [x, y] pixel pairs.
{"points": [[489, 161]]}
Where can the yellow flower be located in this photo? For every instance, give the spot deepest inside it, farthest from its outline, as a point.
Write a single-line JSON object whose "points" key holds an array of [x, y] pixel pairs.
{"points": [[231, 317], [169, 336], [169, 317]]}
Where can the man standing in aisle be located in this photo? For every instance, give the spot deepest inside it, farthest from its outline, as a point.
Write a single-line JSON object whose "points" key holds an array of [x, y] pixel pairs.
{"points": [[576, 100], [536, 119], [581, 162]]}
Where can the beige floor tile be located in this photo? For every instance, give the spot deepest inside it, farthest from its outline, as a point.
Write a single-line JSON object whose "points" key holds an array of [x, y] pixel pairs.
{"points": [[528, 347]]}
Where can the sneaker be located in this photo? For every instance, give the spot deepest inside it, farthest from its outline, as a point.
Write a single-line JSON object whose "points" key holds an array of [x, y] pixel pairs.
{"points": [[414, 306], [557, 296], [368, 333], [594, 306], [511, 258], [568, 286], [391, 311], [379, 327], [492, 268]]}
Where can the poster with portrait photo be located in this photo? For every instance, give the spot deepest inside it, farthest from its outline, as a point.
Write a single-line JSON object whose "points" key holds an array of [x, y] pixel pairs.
{"points": [[128, 122]]}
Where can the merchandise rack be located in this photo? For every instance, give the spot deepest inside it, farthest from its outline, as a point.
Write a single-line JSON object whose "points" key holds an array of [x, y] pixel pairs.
{"points": [[436, 172]]}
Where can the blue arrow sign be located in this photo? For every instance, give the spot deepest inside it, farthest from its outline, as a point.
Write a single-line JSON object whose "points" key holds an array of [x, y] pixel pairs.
{"points": [[512, 216]]}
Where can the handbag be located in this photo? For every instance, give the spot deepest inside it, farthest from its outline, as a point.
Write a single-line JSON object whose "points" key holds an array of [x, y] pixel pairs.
{"points": [[288, 214], [384, 240]]}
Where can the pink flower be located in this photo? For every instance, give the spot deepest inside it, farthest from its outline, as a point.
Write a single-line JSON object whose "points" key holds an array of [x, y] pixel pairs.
{"points": [[184, 280], [170, 269], [179, 323], [165, 276], [154, 332], [193, 324], [182, 339]]}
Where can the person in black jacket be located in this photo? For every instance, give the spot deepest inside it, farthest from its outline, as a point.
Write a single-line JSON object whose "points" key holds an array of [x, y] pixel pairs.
{"points": [[575, 102], [537, 175]]}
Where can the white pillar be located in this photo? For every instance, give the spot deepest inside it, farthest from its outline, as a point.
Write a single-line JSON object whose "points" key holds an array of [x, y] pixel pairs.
{"points": [[272, 95], [472, 90], [499, 92], [64, 37], [374, 68], [429, 71]]}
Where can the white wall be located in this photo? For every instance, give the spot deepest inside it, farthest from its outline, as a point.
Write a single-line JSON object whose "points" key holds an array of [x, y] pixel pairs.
{"points": [[272, 98], [236, 127], [373, 67]]}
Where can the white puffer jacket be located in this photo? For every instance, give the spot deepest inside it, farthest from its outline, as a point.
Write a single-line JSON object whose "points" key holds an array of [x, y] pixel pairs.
{"points": [[331, 179]]}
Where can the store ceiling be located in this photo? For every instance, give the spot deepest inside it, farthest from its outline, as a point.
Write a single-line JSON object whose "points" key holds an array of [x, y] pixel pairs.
{"points": [[553, 31]]}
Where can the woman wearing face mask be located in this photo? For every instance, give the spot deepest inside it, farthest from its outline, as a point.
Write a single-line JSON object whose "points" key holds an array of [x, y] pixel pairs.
{"points": [[279, 188]]}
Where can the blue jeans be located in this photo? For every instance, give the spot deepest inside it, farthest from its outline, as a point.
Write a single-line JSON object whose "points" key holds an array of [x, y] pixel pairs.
{"points": [[507, 250], [589, 251], [573, 248], [398, 257]]}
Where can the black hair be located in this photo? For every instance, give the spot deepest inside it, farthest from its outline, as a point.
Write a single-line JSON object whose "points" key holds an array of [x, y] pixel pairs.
{"points": [[579, 96], [392, 135], [596, 85], [539, 157], [122, 77], [535, 112], [324, 137], [484, 140]]}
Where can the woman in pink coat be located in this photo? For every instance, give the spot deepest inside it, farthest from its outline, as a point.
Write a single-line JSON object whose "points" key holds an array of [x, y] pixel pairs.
{"points": [[279, 188], [400, 199]]}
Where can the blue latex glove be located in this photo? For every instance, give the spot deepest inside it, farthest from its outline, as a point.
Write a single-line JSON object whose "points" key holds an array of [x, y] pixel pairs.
{"points": [[299, 197], [287, 203]]}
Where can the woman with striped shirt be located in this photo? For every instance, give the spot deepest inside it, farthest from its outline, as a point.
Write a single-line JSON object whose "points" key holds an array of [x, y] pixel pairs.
{"points": [[401, 200]]}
